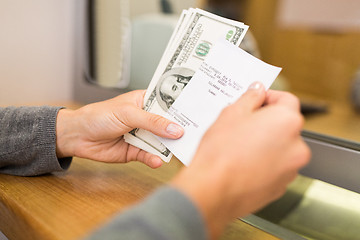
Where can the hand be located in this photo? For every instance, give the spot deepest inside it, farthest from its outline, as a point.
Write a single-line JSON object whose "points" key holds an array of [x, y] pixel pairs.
{"points": [[247, 158], [96, 131]]}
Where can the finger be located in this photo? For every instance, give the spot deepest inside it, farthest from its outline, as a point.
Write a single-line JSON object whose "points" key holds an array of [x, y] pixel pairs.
{"points": [[149, 159], [140, 97], [156, 124], [287, 99], [136, 154], [152, 161], [135, 117], [252, 99], [302, 154]]}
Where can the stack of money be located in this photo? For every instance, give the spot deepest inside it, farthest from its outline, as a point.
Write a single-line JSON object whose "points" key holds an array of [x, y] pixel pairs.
{"points": [[195, 34]]}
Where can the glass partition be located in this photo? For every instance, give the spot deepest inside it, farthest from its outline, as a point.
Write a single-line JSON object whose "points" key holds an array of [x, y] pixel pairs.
{"points": [[324, 201]]}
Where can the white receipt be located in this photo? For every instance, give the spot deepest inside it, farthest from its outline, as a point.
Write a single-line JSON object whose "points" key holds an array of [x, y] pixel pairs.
{"points": [[223, 77]]}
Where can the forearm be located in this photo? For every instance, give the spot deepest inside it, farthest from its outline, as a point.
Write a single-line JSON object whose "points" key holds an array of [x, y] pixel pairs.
{"points": [[28, 141], [167, 214], [208, 194]]}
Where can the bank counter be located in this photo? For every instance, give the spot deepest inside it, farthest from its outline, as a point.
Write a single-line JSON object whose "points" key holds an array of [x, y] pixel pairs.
{"points": [[322, 203], [69, 205]]}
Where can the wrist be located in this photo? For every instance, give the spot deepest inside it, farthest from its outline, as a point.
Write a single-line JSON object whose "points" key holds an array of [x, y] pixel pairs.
{"points": [[65, 133], [206, 190]]}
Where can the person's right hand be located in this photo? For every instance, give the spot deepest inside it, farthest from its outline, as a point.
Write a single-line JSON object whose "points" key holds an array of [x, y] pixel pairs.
{"points": [[247, 158]]}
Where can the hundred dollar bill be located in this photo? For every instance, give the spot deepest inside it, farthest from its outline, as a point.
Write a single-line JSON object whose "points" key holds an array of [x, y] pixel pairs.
{"points": [[196, 33]]}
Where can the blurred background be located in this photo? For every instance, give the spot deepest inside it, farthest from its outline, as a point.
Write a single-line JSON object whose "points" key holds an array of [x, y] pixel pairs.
{"points": [[47, 51], [70, 53]]}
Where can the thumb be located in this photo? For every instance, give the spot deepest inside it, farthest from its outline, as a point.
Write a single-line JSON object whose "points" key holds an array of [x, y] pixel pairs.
{"points": [[252, 99], [157, 124]]}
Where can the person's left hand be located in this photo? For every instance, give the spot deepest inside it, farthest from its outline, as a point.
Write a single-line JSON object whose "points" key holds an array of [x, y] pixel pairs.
{"points": [[96, 131]]}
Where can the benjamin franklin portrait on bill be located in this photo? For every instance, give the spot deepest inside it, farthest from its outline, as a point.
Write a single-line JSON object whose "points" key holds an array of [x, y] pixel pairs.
{"points": [[170, 86]]}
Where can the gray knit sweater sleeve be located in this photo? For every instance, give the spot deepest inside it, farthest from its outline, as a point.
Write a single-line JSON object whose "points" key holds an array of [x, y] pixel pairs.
{"points": [[28, 141], [166, 214]]}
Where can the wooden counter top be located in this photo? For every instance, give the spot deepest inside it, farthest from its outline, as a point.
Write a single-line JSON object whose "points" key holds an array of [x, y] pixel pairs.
{"points": [[69, 205]]}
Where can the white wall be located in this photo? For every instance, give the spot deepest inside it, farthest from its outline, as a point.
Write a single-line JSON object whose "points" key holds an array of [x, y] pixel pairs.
{"points": [[36, 51], [37, 48]]}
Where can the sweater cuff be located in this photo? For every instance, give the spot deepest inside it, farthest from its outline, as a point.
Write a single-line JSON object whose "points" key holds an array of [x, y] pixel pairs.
{"points": [[46, 139], [28, 141]]}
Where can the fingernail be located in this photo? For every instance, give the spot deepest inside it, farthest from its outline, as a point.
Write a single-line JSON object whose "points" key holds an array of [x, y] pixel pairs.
{"points": [[255, 86], [174, 129], [156, 162]]}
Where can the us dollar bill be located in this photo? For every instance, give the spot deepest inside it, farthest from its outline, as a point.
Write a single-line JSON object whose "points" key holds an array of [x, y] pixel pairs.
{"points": [[192, 40]]}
